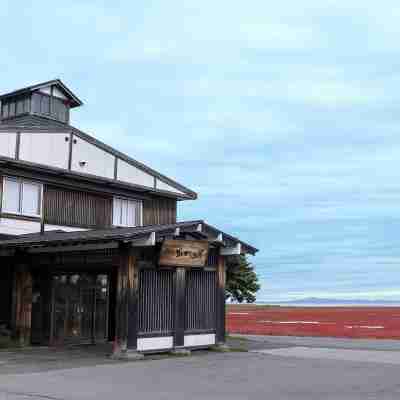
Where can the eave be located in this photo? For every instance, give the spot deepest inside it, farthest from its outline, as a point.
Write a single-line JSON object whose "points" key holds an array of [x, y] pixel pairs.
{"points": [[138, 236], [38, 171], [74, 100]]}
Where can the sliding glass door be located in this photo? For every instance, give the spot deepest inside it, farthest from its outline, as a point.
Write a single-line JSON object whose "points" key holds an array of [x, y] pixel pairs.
{"points": [[80, 308]]}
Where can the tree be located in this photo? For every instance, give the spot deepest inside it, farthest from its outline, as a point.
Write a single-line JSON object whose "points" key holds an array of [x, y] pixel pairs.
{"points": [[241, 280]]}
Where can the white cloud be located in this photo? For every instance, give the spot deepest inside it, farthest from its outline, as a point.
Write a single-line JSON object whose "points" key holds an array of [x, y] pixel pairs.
{"points": [[284, 114]]}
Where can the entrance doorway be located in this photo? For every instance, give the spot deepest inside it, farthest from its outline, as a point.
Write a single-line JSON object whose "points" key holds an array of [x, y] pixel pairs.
{"points": [[80, 308]]}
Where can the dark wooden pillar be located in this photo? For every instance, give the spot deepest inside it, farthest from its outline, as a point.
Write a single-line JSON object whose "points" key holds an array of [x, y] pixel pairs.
{"points": [[126, 302], [22, 304], [41, 307], [180, 307], [133, 295], [221, 279], [6, 288]]}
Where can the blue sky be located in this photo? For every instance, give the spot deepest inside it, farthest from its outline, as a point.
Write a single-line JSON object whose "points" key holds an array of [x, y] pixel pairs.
{"points": [[284, 116]]}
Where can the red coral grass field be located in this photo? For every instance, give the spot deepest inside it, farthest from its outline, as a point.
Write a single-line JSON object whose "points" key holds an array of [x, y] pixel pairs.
{"points": [[346, 322]]}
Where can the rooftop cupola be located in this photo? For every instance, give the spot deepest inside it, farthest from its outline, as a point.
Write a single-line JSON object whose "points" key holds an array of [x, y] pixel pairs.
{"points": [[50, 99]]}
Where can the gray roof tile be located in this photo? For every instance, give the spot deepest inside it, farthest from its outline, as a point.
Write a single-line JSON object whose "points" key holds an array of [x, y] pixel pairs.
{"points": [[55, 238]]}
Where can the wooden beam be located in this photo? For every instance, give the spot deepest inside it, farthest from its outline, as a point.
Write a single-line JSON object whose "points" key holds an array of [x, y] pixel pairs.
{"points": [[148, 241], [219, 239], [231, 251], [133, 297], [180, 307], [220, 298], [22, 304], [69, 248], [126, 303], [121, 312]]}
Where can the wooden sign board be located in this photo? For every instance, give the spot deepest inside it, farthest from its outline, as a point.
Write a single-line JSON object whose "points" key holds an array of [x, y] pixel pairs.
{"points": [[184, 253]]}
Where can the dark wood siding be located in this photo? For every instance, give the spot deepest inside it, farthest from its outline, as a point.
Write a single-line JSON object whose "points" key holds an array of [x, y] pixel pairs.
{"points": [[201, 293], [76, 208], [159, 211], [212, 259], [156, 302]]}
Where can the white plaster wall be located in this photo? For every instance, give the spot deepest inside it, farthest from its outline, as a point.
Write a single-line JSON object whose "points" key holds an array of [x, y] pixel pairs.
{"points": [[128, 173], [8, 142], [63, 228], [97, 161], [199, 340], [10, 226], [163, 186], [155, 343], [50, 149]]}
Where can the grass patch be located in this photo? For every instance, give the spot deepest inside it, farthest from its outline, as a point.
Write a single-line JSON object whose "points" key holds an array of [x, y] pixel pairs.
{"points": [[236, 339], [237, 343], [238, 349], [229, 349]]}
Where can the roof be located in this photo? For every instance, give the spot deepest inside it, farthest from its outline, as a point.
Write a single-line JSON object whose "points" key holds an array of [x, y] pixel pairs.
{"points": [[57, 238], [32, 121], [74, 100], [39, 123], [5, 237]]}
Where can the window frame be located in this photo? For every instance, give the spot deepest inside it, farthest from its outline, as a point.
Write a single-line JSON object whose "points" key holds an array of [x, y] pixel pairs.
{"points": [[137, 201], [20, 182], [4, 110], [20, 106], [58, 108], [12, 109], [45, 104]]}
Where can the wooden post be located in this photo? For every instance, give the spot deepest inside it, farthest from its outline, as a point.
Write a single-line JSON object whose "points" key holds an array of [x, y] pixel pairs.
{"points": [[221, 279], [22, 304], [180, 308], [125, 343], [133, 294]]}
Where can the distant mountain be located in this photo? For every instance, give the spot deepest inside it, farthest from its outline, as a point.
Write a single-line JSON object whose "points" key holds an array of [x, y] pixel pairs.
{"points": [[333, 302]]}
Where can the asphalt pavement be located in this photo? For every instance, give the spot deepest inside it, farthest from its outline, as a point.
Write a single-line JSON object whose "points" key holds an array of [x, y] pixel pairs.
{"points": [[271, 369]]}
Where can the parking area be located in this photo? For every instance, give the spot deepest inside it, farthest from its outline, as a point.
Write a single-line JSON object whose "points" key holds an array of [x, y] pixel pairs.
{"points": [[268, 370], [41, 359]]}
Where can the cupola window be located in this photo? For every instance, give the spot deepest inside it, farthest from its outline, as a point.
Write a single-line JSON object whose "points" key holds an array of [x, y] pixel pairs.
{"points": [[51, 99]]}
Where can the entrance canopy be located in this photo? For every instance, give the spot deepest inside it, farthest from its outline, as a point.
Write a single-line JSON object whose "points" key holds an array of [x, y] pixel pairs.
{"points": [[151, 288], [113, 237]]}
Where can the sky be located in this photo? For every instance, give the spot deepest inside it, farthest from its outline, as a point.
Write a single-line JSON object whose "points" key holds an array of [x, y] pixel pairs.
{"points": [[283, 116]]}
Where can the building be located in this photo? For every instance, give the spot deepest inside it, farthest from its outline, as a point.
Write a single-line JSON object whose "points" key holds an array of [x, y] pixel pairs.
{"points": [[90, 246]]}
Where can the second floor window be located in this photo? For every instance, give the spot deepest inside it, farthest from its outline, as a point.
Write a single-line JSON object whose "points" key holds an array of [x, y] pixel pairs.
{"points": [[127, 212], [21, 197], [50, 106]]}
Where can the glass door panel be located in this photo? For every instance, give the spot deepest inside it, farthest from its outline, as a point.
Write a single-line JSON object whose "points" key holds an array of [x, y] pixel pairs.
{"points": [[60, 312], [80, 307], [60, 309], [73, 323], [101, 309], [86, 313]]}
